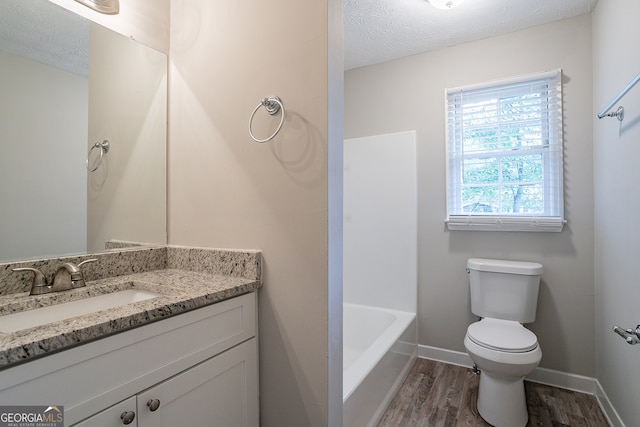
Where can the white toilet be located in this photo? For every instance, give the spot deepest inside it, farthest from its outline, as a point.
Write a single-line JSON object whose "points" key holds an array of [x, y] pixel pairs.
{"points": [[505, 295]]}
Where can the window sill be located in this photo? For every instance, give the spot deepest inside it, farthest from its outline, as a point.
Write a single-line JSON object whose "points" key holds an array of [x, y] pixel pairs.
{"points": [[502, 223]]}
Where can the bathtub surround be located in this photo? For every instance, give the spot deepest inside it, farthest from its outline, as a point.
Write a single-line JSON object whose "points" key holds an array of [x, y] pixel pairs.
{"points": [[380, 272], [380, 221]]}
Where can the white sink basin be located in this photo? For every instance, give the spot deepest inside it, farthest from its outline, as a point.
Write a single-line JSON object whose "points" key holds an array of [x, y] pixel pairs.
{"points": [[53, 313]]}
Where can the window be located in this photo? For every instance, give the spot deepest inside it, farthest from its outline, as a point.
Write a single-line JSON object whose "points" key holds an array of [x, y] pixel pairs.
{"points": [[504, 155]]}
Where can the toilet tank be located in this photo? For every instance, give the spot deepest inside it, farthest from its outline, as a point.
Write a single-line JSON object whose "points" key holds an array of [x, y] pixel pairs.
{"points": [[505, 290]]}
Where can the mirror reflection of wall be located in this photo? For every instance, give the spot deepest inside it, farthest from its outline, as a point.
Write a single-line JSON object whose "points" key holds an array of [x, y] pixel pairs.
{"points": [[67, 83], [43, 124], [127, 106]]}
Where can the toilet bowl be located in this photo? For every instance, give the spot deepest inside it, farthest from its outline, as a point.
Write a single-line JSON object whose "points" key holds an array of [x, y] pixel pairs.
{"points": [[505, 352], [504, 294]]}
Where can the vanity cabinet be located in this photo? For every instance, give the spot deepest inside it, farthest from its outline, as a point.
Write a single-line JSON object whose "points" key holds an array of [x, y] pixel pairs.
{"points": [[202, 367], [218, 392]]}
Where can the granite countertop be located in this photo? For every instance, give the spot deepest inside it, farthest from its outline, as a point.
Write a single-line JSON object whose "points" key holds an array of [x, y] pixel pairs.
{"points": [[181, 291]]}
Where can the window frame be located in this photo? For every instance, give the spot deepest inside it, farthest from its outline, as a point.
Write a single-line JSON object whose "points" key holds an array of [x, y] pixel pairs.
{"points": [[552, 159]]}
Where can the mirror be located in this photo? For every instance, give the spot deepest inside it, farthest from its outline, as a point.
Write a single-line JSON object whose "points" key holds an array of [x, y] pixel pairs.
{"points": [[66, 84]]}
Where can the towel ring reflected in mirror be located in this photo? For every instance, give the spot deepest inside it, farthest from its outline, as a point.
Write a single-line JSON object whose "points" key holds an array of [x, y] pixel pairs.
{"points": [[104, 148]]}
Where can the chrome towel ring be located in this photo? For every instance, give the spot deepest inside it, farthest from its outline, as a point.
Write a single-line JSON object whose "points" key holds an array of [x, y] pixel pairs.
{"points": [[104, 148], [272, 104]]}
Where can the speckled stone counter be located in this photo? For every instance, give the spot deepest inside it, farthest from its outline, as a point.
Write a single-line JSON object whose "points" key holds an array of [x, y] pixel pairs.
{"points": [[193, 281]]}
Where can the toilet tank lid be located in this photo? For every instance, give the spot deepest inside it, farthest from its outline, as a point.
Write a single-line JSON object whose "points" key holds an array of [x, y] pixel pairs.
{"points": [[504, 266]]}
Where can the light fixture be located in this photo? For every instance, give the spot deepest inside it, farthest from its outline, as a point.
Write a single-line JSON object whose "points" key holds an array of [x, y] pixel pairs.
{"points": [[445, 4], [109, 7]]}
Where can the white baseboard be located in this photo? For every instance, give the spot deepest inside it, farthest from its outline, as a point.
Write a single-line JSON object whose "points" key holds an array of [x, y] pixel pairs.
{"points": [[607, 408], [443, 355], [550, 377]]}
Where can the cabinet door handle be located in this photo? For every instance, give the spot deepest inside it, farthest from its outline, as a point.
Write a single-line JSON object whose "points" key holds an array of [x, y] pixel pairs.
{"points": [[127, 417], [153, 404]]}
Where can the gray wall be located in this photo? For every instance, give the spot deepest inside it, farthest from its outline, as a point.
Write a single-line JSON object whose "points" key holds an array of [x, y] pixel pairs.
{"points": [[44, 186], [408, 94], [617, 236]]}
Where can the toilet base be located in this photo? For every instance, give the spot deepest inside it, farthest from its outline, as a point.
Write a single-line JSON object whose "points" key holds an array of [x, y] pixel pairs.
{"points": [[502, 401]]}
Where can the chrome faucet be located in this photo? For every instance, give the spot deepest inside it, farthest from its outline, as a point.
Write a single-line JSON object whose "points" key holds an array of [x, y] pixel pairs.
{"points": [[68, 276]]}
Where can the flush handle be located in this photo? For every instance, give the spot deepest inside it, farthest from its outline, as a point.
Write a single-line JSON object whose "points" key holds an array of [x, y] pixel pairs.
{"points": [[631, 336]]}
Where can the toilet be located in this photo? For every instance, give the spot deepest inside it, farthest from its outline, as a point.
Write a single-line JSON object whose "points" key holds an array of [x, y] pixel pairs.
{"points": [[504, 294]]}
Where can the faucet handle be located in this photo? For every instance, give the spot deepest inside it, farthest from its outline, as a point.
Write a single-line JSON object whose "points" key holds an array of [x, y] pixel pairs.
{"points": [[40, 285], [87, 261], [77, 278], [81, 272]]}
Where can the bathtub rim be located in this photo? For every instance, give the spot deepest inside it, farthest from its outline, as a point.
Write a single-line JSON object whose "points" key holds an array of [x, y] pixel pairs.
{"points": [[363, 365]]}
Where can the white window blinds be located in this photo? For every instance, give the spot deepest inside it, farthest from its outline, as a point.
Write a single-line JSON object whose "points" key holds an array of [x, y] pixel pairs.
{"points": [[504, 155]]}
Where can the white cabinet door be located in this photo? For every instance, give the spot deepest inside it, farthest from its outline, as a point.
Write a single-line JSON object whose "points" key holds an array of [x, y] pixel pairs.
{"points": [[221, 391], [113, 416]]}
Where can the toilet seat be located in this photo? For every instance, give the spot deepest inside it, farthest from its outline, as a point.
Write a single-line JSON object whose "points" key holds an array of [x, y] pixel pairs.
{"points": [[502, 335]]}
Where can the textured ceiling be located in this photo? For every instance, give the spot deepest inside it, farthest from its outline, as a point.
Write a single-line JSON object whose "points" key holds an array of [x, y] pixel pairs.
{"points": [[374, 30], [45, 32], [381, 30]]}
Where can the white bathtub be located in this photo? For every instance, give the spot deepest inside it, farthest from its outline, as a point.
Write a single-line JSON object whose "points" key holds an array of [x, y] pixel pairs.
{"points": [[379, 347]]}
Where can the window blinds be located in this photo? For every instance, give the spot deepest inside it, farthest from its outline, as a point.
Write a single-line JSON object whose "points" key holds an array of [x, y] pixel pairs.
{"points": [[504, 154]]}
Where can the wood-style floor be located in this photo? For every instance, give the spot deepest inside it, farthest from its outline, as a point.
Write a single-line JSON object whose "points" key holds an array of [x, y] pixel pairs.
{"points": [[438, 394]]}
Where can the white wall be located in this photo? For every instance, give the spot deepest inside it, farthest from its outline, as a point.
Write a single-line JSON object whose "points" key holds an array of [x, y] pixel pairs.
{"points": [[227, 191], [409, 94], [380, 221], [45, 183], [616, 172]]}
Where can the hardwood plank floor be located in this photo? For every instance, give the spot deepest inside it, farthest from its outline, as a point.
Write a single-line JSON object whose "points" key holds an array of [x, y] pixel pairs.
{"points": [[438, 394]]}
